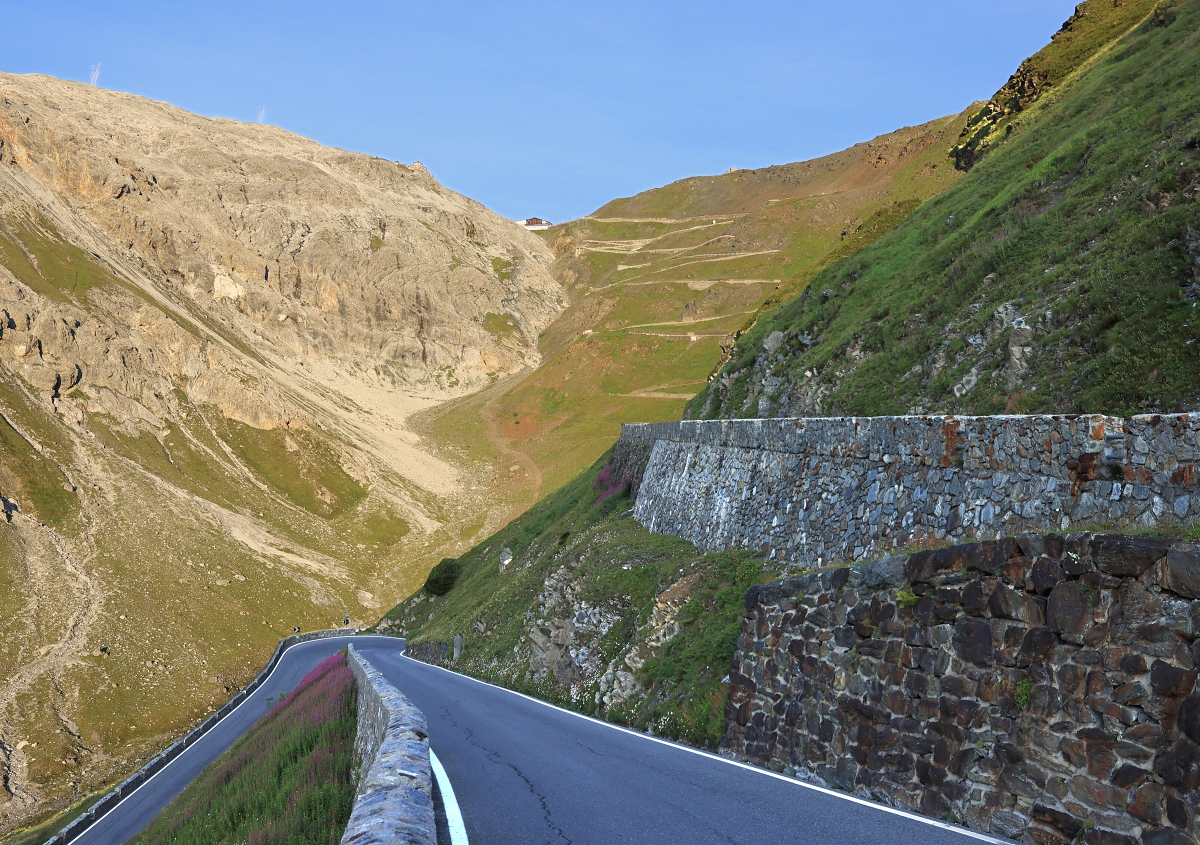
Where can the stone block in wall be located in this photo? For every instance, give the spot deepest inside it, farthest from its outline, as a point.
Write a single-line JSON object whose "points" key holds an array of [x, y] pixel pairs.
{"points": [[1182, 574]]}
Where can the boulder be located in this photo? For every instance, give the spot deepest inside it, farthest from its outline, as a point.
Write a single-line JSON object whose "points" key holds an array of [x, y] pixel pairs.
{"points": [[1180, 766], [973, 641], [1188, 717], [1037, 645], [1045, 574], [1171, 680], [884, 574]]}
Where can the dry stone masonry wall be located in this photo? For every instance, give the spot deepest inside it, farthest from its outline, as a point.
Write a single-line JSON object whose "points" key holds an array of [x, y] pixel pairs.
{"points": [[394, 802], [1041, 688], [812, 492]]}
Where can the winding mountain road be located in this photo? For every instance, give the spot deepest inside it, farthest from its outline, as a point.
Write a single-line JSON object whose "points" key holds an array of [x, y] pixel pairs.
{"points": [[527, 773]]}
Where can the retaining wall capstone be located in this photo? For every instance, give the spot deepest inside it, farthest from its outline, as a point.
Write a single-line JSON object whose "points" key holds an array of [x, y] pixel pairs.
{"points": [[99, 809], [394, 802], [1042, 688], [813, 492]]}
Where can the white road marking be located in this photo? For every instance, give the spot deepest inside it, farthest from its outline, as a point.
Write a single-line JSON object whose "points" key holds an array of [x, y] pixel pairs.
{"points": [[767, 772], [454, 819]]}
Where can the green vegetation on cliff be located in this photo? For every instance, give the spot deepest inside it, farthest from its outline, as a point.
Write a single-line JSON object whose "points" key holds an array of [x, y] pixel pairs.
{"points": [[1093, 27], [1062, 273], [610, 593], [662, 282]]}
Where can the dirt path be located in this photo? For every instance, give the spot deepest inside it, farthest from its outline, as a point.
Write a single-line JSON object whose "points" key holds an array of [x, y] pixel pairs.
{"points": [[718, 217], [687, 322]]}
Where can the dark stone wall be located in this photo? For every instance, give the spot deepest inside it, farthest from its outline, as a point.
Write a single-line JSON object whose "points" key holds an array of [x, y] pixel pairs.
{"points": [[1041, 688], [629, 463], [429, 651]]}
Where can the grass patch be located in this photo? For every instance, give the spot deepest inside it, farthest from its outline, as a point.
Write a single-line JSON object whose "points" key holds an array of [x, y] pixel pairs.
{"points": [[499, 326], [33, 480], [503, 268], [289, 780], [298, 464], [49, 265]]}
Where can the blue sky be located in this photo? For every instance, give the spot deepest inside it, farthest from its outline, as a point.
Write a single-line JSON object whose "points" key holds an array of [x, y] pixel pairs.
{"points": [[550, 109]]}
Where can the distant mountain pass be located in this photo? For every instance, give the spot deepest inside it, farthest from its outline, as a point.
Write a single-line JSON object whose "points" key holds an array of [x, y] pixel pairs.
{"points": [[662, 283]]}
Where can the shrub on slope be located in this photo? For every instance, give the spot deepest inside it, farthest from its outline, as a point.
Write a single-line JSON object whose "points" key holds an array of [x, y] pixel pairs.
{"points": [[1060, 274], [286, 782]]}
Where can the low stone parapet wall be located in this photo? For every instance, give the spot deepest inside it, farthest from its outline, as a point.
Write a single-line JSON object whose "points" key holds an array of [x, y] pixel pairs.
{"points": [[1041, 688], [394, 801], [813, 492]]}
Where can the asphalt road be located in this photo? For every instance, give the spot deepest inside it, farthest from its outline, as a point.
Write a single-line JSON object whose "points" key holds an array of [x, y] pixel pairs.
{"points": [[526, 773]]}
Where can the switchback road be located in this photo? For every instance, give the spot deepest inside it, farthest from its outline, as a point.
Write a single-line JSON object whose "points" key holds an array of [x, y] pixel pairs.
{"points": [[527, 773]]}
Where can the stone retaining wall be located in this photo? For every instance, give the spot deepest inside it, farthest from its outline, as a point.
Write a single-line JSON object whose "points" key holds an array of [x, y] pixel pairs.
{"points": [[433, 652], [1041, 688], [131, 783], [812, 492], [394, 802]]}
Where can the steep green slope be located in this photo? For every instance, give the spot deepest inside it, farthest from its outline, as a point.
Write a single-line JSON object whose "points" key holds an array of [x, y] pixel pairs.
{"points": [[1060, 274], [593, 612], [1086, 34], [289, 780]]}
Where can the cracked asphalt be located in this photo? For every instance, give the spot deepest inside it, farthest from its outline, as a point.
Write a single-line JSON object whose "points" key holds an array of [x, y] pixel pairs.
{"points": [[528, 774]]}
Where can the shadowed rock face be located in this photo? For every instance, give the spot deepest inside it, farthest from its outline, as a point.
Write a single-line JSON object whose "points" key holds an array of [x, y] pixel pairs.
{"points": [[313, 250]]}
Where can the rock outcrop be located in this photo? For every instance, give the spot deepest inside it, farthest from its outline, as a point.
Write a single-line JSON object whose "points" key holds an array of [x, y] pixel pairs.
{"points": [[308, 250]]}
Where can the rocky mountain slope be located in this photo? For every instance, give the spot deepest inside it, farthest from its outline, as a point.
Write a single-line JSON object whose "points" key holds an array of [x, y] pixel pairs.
{"points": [[1061, 274], [211, 336]]}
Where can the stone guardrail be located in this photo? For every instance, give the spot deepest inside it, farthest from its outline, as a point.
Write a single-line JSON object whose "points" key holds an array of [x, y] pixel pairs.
{"points": [[815, 492], [127, 786], [394, 801]]}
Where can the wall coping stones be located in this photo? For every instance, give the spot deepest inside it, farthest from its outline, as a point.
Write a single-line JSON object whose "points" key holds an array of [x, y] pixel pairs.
{"points": [[816, 492], [127, 786], [394, 802]]}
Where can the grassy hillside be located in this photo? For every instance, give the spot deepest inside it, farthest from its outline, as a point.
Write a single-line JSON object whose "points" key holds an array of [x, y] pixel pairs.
{"points": [[288, 780], [661, 283], [645, 625], [1087, 34], [1061, 274]]}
